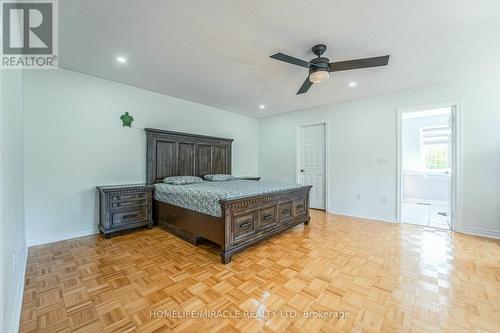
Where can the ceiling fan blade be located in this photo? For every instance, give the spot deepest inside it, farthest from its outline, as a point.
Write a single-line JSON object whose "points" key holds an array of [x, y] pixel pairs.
{"points": [[359, 63], [305, 86], [290, 60]]}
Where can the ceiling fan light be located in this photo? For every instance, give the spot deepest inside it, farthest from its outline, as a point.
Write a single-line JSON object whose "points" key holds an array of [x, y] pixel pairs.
{"points": [[319, 76]]}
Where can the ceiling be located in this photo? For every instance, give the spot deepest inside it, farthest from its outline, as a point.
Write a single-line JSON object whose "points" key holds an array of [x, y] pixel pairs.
{"points": [[217, 52]]}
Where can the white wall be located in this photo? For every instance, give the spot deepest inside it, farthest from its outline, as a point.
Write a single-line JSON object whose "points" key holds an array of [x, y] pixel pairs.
{"points": [[361, 131], [74, 141], [12, 198]]}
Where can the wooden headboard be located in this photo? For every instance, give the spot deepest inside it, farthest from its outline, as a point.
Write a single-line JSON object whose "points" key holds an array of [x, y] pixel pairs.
{"points": [[182, 154]]}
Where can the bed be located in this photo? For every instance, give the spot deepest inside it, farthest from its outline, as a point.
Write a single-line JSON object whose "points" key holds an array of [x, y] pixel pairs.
{"points": [[234, 214]]}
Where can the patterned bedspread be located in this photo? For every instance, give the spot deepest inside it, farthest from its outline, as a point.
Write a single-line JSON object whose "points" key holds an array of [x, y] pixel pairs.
{"points": [[204, 197]]}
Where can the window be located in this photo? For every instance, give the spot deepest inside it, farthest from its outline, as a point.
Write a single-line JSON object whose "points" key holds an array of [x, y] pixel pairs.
{"points": [[434, 143]]}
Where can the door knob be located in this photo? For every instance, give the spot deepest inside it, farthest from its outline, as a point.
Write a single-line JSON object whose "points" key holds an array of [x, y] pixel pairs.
{"points": [[301, 170]]}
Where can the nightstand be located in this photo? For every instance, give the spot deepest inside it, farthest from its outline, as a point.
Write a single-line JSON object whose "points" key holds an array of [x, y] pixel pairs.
{"points": [[249, 178], [123, 207]]}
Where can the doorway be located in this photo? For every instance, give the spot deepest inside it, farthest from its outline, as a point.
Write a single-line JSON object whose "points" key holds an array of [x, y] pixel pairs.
{"points": [[427, 145], [312, 162]]}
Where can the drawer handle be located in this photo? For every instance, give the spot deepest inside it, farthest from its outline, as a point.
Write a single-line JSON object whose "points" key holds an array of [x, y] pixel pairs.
{"points": [[285, 211], [244, 225], [129, 216], [118, 204], [300, 206], [118, 198], [267, 217]]}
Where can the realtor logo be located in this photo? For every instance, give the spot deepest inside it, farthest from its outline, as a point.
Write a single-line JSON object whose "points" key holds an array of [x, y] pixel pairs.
{"points": [[29, 38]]}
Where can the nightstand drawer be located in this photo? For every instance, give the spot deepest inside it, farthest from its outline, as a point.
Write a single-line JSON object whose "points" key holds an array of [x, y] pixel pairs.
{"points": [[128, 197], [132, 216], [130, 203]]}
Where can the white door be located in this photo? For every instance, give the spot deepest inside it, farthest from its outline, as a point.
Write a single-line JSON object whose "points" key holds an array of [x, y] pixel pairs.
{"points": [[312, 162]]}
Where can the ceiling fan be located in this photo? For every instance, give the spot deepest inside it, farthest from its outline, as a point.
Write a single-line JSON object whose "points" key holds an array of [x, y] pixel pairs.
{"points": [[320, 67]]}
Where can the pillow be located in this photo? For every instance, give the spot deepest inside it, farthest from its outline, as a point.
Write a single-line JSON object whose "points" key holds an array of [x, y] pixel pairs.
{"points": [[218, 177], [182, 180]]}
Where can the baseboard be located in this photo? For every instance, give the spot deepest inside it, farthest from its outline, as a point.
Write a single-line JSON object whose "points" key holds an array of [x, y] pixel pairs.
{"points": [[364, 215], [481, 232], [61, 237], [13, 322]]}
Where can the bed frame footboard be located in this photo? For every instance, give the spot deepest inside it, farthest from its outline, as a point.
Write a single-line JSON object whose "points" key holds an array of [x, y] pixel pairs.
{"points": [[249, 220]]}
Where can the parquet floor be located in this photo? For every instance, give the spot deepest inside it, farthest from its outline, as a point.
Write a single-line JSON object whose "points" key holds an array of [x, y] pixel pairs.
{"points": [[338, 274]]}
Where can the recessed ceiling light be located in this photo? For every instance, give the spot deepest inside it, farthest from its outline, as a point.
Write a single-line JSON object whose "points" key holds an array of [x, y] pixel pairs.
{"points": [[353, 84], [121, 60], [262, 106]]}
